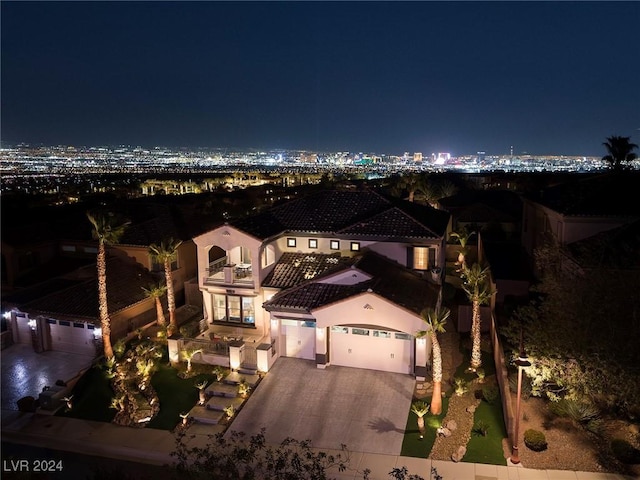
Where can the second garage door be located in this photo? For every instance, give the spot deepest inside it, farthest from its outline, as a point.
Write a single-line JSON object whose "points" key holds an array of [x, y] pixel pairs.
{"points": [[371, 348]]}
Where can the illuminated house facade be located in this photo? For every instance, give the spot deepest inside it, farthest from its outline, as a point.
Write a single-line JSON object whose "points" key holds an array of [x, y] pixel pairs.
{"points": [[337, 277]]}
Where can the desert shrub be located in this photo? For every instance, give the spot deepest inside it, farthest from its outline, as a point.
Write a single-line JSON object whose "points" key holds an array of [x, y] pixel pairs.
{"points": [[624, 451], [490, 394], [535, 440], [525, 388], [480, 428], [595, 426], [460, 386], [579, 411], [119, 348]]}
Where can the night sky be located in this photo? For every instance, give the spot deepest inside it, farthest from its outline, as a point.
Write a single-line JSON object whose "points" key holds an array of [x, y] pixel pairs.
{"points": [[384, 77]]}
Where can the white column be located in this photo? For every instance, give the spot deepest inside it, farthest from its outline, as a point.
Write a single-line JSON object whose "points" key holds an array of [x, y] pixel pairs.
{"points": [[422, 354], [321, 347]]}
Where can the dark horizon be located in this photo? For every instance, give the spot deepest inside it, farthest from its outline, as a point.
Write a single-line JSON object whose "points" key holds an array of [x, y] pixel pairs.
{"points": [[548, 78]]}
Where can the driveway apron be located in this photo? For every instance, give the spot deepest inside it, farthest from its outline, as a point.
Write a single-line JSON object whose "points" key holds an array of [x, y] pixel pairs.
{"points": [[364, 409], [25, 372]]}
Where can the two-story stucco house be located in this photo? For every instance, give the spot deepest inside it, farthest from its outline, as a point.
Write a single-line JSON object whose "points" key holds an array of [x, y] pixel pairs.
{"points": [[337, 277]]}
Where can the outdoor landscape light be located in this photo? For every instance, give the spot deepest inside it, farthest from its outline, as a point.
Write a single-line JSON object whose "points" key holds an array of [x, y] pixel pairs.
{"points": [[522, 362]]}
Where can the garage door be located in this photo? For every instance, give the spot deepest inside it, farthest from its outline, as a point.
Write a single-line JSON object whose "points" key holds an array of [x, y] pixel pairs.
{"points": [[373, 349], [299, 339], [72, 337]]}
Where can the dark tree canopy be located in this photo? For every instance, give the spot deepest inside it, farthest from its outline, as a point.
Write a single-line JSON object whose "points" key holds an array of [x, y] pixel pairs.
{"points": [[620, 150]]}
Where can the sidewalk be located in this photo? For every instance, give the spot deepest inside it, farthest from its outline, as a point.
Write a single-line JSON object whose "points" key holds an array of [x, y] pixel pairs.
{"points": [[155, 446]]}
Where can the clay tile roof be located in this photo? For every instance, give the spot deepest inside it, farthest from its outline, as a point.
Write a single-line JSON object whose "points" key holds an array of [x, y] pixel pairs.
{"points": [[392, 223], [124, 282], [397, 283], [390, 280], [295, 268], [312, 295], [334, 211]]}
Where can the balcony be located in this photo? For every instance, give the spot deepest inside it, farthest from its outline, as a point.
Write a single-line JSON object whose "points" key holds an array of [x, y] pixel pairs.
{"points": [[221, 272]]}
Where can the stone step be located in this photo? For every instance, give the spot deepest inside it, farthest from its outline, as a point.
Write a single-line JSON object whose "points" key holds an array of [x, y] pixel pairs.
{"points": [[247, 369], [220, 403], [204, 415], [235, 378], [222, 390]]}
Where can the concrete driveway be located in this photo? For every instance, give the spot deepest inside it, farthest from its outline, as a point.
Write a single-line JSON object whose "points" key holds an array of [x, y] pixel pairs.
{"points": [[364, 409], [25, 372]]}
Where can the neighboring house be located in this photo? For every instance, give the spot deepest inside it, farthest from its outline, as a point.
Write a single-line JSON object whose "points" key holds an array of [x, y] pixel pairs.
{"points": [[61, 314], [579, 208], [497, 215], [160, 226], [339, 277], [41, 259]]}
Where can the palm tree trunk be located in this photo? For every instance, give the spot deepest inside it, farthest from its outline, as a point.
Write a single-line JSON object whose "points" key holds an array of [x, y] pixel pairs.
{"points": [[159, 313], [103, 308], [436, 398], [476, 355], [171, 299]]}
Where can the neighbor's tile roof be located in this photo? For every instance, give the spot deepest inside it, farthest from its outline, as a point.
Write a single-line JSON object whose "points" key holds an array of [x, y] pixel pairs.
{"points": [[346, 211], [595, 195], [295, 268], [390, 280], [618, 248], [125, 280]]}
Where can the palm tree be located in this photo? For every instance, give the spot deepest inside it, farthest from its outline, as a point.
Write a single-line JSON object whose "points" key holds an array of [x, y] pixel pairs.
{"points": [[420, 408], [155, 292], [108, 232], [463, 237], [620, 150], [166, 252], [436, 319], [476, 287]]}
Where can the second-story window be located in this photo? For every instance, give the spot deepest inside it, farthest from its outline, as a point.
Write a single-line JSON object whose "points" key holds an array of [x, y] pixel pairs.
{"points": [[291, 242], [334, 245], [313, 243], [355, 246]]}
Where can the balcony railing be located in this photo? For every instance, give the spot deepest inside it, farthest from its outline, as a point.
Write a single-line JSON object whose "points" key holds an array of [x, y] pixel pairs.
{"points": [[221, 272], [217, 266]]}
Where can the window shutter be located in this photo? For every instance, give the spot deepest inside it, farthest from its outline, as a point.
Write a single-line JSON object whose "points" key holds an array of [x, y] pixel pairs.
{"points": [[409, 257]]}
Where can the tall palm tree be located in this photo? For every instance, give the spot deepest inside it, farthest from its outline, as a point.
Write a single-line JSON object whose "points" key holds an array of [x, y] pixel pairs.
{"points": [[165, 253], [477, 289], [436, 319], [620, 150], [155, 292], [107, 230]]}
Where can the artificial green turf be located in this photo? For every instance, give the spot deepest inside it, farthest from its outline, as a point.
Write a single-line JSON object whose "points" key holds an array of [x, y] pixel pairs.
{"points": [[488, 449], [91, 397], [177, 395], [412, 445]]}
